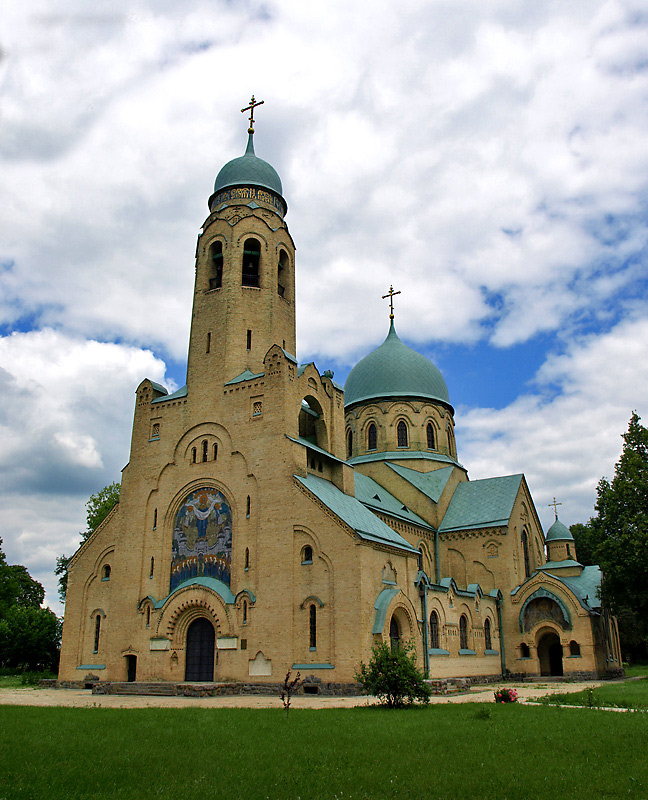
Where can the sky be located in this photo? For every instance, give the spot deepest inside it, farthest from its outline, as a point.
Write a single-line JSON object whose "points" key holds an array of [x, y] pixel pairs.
{"points": [[488, 160]]}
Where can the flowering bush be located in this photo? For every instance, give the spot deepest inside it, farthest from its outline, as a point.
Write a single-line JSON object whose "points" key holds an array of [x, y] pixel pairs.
{"points": [[506, 696]]}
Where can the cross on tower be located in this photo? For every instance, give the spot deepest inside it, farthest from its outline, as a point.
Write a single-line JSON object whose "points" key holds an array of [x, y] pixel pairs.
{"points": [[555, 506], [250, 108], [391, 294]]}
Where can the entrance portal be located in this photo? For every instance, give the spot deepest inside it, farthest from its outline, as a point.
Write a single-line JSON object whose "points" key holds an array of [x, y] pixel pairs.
{"points": [[199, 664], [131, 668], [550, 655]]}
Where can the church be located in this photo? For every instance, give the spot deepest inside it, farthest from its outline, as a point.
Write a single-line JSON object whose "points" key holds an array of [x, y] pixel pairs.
{"points": [[272, 520]]}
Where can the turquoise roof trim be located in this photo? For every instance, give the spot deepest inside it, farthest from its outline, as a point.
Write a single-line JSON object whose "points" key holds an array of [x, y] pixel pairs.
{"points": [[586, 586], [182, 392], [354, 514], [372, 494], [394, 370], [403, 455], [484, 503], [313, 666], [538, 594], [311, 446], [246, 375], [568, 562], [92, 666], [248, 170], [221, 589], [159, 388], [431, 484], [559, 533], [381, 605]]}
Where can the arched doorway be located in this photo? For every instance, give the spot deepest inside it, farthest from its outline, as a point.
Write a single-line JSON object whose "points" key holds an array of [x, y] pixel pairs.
{"points": [[394, 633], [131, 668], [199, 663], [550, 654]]}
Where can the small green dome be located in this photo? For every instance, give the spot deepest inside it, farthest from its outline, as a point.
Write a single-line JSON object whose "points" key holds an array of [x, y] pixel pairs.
{"points": [[395, 370], [559, 532], [248, 170]]}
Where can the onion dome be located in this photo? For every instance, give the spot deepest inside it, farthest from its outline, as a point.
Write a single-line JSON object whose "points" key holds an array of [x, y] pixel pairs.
{"points": [[248, 170], [395, 370], [559, 533]]}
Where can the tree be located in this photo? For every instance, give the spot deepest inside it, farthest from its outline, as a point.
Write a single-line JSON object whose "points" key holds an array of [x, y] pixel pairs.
{"points": [[617, 537], [98, 507], [392, 676], [585, 544]]}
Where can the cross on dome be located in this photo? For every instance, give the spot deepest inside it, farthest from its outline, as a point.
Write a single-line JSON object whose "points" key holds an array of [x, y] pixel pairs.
{"points": [[555, 506], [391, 294], [250, 108]]}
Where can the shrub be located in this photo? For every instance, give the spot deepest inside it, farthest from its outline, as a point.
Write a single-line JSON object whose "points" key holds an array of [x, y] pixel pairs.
{"points": [[393, 677], [506, 696]]}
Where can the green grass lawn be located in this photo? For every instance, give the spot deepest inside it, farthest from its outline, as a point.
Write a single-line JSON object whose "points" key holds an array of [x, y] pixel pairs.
{"points": [[629, 694], [505, 752]]}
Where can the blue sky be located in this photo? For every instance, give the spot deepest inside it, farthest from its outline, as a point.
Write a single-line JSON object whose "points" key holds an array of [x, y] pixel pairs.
{"points": [[488, 160]]}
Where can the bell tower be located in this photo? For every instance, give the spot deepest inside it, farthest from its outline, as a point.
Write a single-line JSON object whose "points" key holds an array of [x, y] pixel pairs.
{"points": [[244, 293]]}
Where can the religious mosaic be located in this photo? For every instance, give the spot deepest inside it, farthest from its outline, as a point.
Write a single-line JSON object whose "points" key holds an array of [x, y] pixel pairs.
{"points": [[202, 538], [544, 608]]}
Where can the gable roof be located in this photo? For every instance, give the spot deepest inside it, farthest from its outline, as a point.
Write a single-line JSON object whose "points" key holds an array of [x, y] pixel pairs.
{"points": [[372, 495], [431, 484], [585, 586], [353, 513], [484, 503]]}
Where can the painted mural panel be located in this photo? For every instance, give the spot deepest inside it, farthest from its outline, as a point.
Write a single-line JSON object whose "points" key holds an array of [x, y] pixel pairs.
{"points": [[202, 538]]}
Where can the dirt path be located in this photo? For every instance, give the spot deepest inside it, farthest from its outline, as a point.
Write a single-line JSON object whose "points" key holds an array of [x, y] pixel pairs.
{"points": [[83, 698]]}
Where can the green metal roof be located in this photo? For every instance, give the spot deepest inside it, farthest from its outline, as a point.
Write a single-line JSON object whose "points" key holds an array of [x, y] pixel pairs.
{"points": [[373, 495], [246, 375], [559, 532], [431, 484], [477, 504], [353, 513], [248, 170], [401, 455], [182, 392], [394, 370], [585, 586], [312, 446]]}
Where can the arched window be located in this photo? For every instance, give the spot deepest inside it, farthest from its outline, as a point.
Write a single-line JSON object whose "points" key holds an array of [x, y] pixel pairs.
{"points": [[245, 612], [434, 630], [148, 616], [451, 442], [307, 555], [574, 648], [401, 434], [215, 449], [463, 632], [193, 455], [282, 273], [488, 644], [430, 436], [313, 626], [394, 634], [105, 573], [97, 632], [204, 450], [248, 507], [525, 550], [216, 280], [372, 437], [247, 558], [251, 259], [524, 651], [349, 443], [152, 567]]}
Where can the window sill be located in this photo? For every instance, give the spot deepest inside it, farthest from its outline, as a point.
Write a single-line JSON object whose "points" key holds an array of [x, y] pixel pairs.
{"points": [[573, 656], [105, 579], [438, 651], [467, 653], [306, 563], [491, 652]]}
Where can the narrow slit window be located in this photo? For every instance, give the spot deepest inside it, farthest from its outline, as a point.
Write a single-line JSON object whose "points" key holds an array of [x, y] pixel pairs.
{"points": [[245, 612], [249, 340], [204, 450], [193, 455], [434, 630], [248, 507], [208, 347], [155, 519], [148, 616], [463, 632], [247, 558], [282, 273], [372, 437], [152, 567], [525, 551], [251, 260], [106, 573], [313, 626], [215, 451], [216, 279], [349, 443], [488, 644], [97, 632], [401, 434]]}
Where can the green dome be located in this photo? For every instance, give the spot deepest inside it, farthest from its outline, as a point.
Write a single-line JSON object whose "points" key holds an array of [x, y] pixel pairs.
{"points": [[559, 532], [248, 170], [395, 370]]}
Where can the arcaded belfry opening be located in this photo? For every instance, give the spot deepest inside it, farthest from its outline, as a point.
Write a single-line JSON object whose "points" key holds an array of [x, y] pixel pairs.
{"points": [[251, 262], [312, 425], [216, 278], [282, 273]]}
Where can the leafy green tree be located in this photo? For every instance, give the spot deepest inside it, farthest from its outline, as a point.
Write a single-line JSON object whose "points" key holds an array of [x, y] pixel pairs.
{"points": [[17, 587], [585, 544], [392, 676], [98, 507], [617, 538]]}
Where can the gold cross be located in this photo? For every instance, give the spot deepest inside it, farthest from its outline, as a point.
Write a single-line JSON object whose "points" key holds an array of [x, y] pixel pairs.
{"points": [[250, 108], [391, 293], [555, 506]]}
